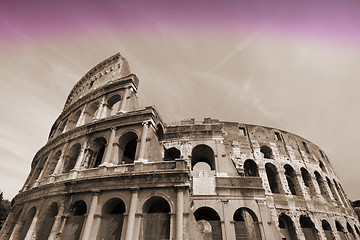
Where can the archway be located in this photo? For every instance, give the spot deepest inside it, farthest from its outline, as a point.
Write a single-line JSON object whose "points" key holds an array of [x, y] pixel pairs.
{"points": [[203, 153], [308, 228], [308, 182], [127, 147], [97, 151], [350, 231], [287, 228], [250, 168], [156, 219], [113, 105], [112, 220], [327, 230], [209, 223], [246, 225], [26, 224], [273, 178], [71, 157], [291, 180], [340, 230], [171, 154], [75, 221], [91, 111], [266, 151], [47, 222]]}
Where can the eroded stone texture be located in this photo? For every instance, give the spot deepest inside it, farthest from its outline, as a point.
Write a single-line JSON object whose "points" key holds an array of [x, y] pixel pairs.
{"points": [[111, 170]]}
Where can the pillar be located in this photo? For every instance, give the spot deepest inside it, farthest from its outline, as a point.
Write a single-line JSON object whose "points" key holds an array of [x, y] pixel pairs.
{"points": [[179, 213], [124, 101], [90, 216], [74, 172], [131, 217], [143, 140], [110, 148], [101, 108]]}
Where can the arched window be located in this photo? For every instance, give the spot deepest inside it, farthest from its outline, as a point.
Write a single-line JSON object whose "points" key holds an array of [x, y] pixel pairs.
{"points": [[26, 224], [97, 151], [159, 132], [203, 153], [340, 193], [61, 127], [307, 181], [112, 219], [156, 220], [322, 167], [75, 221], [71, 157], [250, 168], [308, 228], [73, 120], [52, 164], [127, 147], [246, 225], [113, 105], [171, 154], [266, 151], [209, 222], [327, 230], [340, 230], [322, 186], [287, 228], [273, 178], [332, 189], [91, 111], [351, 231], [46, 223], [292, 180]]}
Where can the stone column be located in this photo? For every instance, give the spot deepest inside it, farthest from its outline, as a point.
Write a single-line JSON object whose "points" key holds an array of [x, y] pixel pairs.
{"points": [[109, 149], [131, 217], [90, 216], [31, 233], [60, 163], [143, 141], [179, 213], [124, 101]]}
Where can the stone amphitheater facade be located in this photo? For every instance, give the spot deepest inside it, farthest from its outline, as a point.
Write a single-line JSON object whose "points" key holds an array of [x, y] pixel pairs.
{"points": [[112, 170]]}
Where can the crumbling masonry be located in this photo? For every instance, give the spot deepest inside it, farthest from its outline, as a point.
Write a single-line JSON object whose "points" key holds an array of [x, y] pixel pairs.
{"points": [[112, 170]]}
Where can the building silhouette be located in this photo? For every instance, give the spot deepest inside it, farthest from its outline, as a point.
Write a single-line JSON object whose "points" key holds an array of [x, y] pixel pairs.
{"points": [[112, 170]]}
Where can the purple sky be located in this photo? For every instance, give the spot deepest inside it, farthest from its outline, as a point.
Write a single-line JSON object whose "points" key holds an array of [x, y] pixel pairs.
{"points": [[293, 66]]}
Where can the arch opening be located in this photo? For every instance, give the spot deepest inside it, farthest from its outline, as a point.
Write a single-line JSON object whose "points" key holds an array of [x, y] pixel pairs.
{"points": [[291, 180], [307, 181], [127, 147], [340, 230], [47, 222], [113, 105], [287, 228], [112, 220], [97, 151], [91, 112], [208, 221], [327, 230], [171, 154], [273, 178], [156, 219], [266, 151], [71, 157], [308, 228], [246, 224], [250, 168], [75, 221], [23, 231], [203, 153]]}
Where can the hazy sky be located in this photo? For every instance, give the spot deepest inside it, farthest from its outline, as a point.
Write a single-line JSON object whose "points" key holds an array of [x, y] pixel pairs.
{"points": [[292, 66]]}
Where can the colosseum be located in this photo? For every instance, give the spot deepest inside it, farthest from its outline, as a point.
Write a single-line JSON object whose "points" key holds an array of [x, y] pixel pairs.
{"points": [[112, 170]]}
